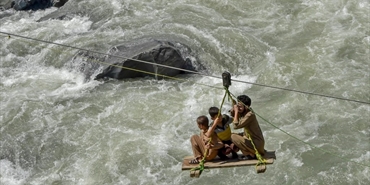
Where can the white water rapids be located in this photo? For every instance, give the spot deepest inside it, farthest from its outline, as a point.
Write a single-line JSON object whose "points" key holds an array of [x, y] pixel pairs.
{"points": [[57, 128]]}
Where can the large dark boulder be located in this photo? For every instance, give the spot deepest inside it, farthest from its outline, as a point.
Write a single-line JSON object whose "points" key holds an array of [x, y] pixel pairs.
{"points": [[31, 4], [126, 60]]}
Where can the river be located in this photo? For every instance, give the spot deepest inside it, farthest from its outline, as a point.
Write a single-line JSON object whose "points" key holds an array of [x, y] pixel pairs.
{"points": [[58, 128]]}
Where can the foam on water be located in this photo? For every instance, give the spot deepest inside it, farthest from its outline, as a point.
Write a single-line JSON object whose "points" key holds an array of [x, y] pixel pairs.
{"points": [[58, 128], [12, 174]]}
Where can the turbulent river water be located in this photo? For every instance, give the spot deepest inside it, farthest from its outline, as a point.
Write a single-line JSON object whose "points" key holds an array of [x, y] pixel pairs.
{"points": [[58, 128]]}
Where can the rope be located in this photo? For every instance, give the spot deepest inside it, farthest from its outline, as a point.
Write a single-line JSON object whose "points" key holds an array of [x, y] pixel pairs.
{"points": [[189, 71], [325, 151], [261, 160], [118, 66], [97, 52], [8, 35], [223, 100], [200, 167], [303, 92]]}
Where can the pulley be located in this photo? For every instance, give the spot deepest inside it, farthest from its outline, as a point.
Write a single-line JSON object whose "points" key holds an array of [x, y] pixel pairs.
{"points": [[226, 79]]}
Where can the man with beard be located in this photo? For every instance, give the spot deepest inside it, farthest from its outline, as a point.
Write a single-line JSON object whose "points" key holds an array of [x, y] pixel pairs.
{"points": [[245, 118]]}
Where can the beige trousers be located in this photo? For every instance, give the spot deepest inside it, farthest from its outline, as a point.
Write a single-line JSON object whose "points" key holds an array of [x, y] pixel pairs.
{"points": [[245, 145], [198, 147]]}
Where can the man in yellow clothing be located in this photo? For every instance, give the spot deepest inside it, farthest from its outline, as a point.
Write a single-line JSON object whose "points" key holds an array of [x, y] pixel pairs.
{"points": [[245, 118]]}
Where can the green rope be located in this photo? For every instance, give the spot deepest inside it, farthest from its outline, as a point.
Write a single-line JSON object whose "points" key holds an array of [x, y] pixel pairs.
{"points": [[194, 72], [261, 160], [200, 167], [223, 100], [9, 36], [325, 151]]}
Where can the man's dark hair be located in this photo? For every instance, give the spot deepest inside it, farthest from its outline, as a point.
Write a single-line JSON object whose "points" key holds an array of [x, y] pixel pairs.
{"points": [[213, 111], [202, 120], [245, 99]]}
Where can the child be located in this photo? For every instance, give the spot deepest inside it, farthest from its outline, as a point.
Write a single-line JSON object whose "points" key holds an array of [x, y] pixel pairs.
{"points": [[223, 131], [200, 144]]}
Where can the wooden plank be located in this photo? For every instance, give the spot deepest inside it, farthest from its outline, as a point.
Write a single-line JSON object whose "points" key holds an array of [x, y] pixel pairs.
{"points": [[217, 163]]}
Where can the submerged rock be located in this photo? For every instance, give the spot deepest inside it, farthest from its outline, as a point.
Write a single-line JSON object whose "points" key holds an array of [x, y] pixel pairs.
{"points": [[63, 13], [6, 4]]}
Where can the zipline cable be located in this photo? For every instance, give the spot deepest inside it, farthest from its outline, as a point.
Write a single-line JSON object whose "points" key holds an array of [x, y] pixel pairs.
{"points": [[185, 70], [101, 53], [296, 138], [8, 35], [200, 167], [303, 92], [128, 68]]}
